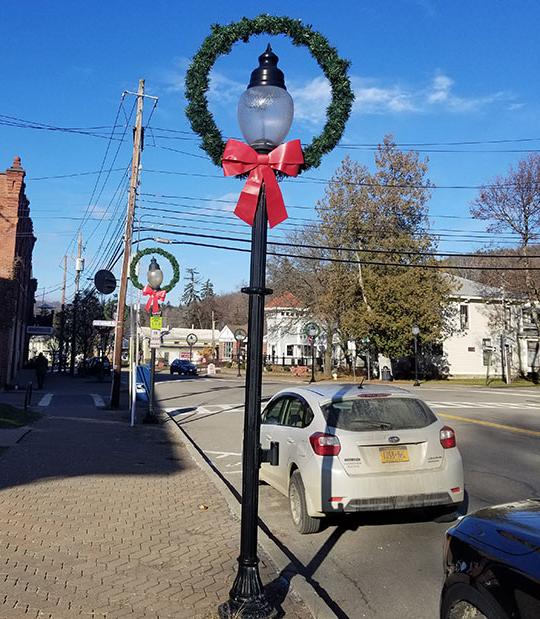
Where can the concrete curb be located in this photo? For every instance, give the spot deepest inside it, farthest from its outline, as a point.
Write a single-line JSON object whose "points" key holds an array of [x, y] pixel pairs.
{"points": [[299, 587]]}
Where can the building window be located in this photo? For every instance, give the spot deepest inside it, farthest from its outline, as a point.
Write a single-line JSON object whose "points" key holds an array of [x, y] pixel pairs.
{"points": [[532, 355], [464, 317], [527, 316], [227, 350], [290, 350]]}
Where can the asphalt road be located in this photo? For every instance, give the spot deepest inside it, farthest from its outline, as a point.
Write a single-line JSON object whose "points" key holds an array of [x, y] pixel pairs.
{"points": [[386, 565]]}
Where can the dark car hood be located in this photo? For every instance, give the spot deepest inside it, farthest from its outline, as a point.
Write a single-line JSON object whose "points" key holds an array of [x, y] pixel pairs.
{"points": [[512, 528]]}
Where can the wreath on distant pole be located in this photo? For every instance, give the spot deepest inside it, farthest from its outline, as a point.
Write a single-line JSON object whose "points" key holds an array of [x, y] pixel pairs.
{"points": [[154, 250], [220, 42]]}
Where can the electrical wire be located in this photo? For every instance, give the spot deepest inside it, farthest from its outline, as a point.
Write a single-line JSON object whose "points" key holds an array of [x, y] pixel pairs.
{"points": [[341, 260]]}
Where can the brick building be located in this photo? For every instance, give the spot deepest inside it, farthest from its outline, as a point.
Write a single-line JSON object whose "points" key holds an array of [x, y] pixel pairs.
{"points": [[17, 287]]}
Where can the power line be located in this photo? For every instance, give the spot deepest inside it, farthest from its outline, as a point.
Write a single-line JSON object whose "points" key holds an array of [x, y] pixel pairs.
{"points": [[342, 260]]}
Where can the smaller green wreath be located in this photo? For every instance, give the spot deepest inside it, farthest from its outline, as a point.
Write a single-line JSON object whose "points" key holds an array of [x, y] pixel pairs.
{"points": [[154, 250]]}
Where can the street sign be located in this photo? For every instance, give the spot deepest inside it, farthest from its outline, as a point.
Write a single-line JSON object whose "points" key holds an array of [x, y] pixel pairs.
{"points": [[240, 335], [104, 323], [156, 322], [192, 339], [35, 330], [312, 329], [105, 281], [155, 338]]}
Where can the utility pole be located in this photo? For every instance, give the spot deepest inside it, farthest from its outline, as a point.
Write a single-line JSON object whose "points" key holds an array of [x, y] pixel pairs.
{"points": [[79, 267], [119, 329], [62, 321]]}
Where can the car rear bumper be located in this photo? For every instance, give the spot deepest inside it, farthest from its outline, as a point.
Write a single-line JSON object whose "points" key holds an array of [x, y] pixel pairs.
{"points": [[332, 490], [396, 502]]}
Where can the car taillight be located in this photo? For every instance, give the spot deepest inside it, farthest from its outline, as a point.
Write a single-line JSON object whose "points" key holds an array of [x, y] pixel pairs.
{"points": [[448, 437], [325, 444]]}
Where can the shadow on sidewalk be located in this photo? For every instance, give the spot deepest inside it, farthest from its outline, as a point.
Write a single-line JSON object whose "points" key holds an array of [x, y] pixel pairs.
{"points": [[74, 439]]}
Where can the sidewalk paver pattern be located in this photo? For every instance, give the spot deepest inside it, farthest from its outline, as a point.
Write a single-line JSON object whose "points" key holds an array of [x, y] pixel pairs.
{"points": [[98, 519]]}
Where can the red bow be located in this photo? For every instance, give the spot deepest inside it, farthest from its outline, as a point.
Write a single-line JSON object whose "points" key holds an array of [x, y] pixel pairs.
{"points": [[155, 296], [239, 158]]}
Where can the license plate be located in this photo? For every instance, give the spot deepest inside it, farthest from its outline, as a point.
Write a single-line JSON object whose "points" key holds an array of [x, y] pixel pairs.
{"points": [[393, 454]]}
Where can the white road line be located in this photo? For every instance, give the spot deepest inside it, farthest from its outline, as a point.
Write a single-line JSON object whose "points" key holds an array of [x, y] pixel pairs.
{"points": [[222, 453], [499, 405], [98, 400], [46, 399]]}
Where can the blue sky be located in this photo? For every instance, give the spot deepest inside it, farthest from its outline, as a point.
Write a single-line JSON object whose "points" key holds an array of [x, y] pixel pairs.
{"points": [[425, 71]]}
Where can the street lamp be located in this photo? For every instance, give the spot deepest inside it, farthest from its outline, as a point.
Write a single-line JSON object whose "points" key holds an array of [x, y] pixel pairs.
{"points": [[415, 331], [154, 278], [312, 331], [265, 114], [239, 336]]}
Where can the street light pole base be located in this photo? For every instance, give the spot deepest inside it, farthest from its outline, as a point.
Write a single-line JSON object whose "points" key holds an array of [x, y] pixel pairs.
{"points": [[247, 598]]}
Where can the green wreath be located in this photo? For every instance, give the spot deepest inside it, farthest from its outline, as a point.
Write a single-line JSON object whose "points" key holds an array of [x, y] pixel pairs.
{"points": [[146, 252], [221, 41]]}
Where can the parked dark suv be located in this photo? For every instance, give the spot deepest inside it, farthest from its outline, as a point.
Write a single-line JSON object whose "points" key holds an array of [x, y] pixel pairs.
{"points": [[181, 366], [492, 563]]}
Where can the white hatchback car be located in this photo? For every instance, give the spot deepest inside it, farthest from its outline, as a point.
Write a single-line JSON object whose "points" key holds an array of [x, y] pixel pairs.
{"points": [[350, 448]]}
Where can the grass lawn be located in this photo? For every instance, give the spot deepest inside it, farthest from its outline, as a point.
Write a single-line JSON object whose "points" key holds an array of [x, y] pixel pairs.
{"points": [[12, 417]]}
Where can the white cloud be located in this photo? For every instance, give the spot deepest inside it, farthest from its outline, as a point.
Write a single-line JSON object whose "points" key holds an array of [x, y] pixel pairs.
{"points": [[311, 99]]}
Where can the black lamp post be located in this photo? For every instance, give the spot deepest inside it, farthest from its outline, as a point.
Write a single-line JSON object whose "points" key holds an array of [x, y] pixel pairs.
{"points": [[265, 113], [312, 331], [239, 336], [415, 332], [155, 279]]}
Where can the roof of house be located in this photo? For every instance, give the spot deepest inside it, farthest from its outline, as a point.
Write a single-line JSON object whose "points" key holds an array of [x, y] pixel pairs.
{"points": [[469, 288], [287, 299]]}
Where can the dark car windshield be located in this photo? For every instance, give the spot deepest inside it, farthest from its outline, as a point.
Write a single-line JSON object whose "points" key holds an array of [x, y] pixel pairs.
{"points": [[377, 413]]}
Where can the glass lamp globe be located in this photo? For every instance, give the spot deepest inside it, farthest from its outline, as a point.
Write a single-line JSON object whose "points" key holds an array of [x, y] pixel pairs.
{"points": [[266, 109], [154, 275], [415, 330]]}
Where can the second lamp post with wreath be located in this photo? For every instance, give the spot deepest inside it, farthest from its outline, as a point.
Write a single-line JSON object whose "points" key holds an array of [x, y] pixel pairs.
{"points": [[156, 294], [265, 114]]}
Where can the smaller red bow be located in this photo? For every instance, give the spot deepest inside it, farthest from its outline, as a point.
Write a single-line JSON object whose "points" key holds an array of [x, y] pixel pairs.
{"points": [[239, 158], [155, 297]]}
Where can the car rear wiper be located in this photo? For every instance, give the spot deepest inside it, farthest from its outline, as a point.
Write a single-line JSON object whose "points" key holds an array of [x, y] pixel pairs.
{"points": [[381, 425]]}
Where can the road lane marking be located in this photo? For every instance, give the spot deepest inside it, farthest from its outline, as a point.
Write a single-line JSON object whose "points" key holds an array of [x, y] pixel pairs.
{"points": [[46, 399], [222, 453], [491, 424], [98, 400], [511, 405]]}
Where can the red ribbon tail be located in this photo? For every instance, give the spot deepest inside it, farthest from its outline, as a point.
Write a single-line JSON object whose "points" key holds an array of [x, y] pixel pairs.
{"points": [[148, 304], [249, 196], [274, 199]]}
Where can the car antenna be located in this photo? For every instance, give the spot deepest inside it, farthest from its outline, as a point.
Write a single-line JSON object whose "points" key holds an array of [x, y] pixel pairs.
{"points": [[361, 385]]}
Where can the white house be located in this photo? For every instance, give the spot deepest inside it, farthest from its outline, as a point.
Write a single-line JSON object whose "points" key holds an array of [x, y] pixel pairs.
{"points": [[286, 342], [175, 346], [488, 332], [491, 332]]}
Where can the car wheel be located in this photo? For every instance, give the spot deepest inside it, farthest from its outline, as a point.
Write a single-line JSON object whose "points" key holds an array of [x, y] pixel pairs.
{"points": [[303, 522], [463, 601]]}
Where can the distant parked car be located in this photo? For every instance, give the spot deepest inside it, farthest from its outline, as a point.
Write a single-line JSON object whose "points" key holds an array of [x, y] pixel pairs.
{"points": [[183, 367], [94, 366], [351, 448], [492, 564]]}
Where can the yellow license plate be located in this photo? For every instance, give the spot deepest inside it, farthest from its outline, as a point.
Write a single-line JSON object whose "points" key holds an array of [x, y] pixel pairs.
{"points": [[393, 454]]}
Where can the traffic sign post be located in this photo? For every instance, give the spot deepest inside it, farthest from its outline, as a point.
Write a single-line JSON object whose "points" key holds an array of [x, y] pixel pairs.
{"points": [[312, 330], [240, 336]]}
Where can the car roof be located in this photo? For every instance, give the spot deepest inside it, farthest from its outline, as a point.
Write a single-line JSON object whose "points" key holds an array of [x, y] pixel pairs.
{"points": [[333, 391]]}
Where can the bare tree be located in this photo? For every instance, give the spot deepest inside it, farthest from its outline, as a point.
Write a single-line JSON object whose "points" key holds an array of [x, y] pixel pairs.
{"points": [[511, 203]]}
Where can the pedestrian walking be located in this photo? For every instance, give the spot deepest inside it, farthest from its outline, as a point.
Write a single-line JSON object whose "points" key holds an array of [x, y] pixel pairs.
{"points": [[42, 366]]}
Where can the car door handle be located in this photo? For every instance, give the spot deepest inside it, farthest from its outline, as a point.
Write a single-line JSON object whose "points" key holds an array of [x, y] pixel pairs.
{"points": [[291, 441]]}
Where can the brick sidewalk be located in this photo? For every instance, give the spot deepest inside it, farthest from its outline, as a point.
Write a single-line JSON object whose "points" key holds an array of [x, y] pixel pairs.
{"points": [[98, 519]]}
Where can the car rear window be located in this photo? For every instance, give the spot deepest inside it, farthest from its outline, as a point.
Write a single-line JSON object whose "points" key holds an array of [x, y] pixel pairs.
{"points": [[367, 414]]}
